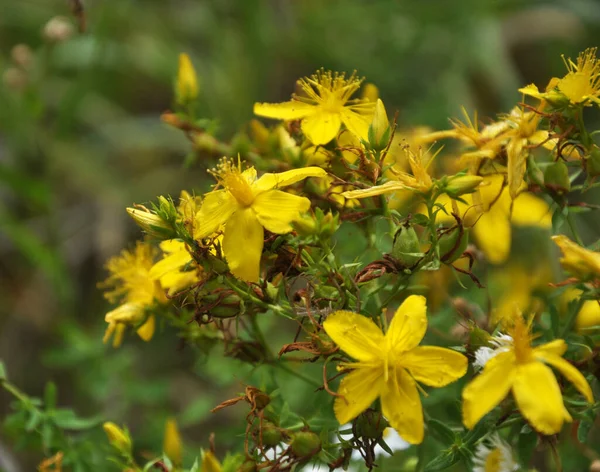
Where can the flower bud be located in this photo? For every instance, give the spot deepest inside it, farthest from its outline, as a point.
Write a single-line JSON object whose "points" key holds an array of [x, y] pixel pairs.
{"points": [[370, 92], [118, 438], [186, 87], [407, 247], [462, 184], [271, 434], [150, 222], [452, 244], [172, 444], [371, 424], [592, 162], [210, 463], [556, 177], [22, 56], [588, 318], [305, 444], [379, 131]]}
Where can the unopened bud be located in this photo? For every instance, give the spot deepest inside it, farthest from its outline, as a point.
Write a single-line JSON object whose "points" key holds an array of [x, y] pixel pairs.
{"points": [[407, 247], [556, 177], [172, 444], [118, 438], [305, 444], [15, 79], [462, 184], [452, 244], [592, 162], [186, 87], [379, 131], [150, 222], [58, 29], [210, 463], [371, 425], [271, 434], [370, 92]]}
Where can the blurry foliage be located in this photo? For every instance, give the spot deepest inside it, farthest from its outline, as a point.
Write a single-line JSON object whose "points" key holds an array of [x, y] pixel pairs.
{"points": [[80, 139]]}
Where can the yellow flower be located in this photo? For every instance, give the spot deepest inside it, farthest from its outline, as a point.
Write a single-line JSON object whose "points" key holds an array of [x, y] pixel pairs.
{"points": [[419, 181], [245, 206], [581, 85], [210, 463], [324, 105], [186, 87], [172, 270], [389, 366], [522, 369], [172, 444], [132, 285], [523, 133], [488, 212], [578, 261]]}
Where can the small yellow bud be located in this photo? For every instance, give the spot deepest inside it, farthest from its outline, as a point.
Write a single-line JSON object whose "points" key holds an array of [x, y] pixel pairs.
{"points": [[118, 438], [149, 221], [370, 92], [461, 184], [578, 261], [379, 131], [210, 463], [186, 89], [588, 318], [172, 445]]}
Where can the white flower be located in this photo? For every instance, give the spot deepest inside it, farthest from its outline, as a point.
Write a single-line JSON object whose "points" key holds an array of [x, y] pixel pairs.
{"points": [[500, 343], [494, 456]]}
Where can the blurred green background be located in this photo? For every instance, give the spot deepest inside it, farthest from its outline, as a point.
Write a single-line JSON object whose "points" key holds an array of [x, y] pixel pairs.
{"points": [[81, 139]]}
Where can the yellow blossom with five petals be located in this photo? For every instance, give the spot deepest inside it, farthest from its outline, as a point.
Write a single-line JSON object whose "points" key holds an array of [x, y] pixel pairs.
{"points": [[323, 106], [390, 365], [523, 369], [245, 207]]}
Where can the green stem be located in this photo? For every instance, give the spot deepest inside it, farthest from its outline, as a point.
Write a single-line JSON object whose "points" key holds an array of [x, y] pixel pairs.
{"points": [[572, 317], [286, 368], [15, 392]]}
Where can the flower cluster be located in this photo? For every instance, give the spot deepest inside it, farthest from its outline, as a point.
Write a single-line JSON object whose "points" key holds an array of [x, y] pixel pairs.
{"points": [[334, 217]]}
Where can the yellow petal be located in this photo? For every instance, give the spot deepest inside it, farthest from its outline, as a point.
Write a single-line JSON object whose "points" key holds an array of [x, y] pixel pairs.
{"points": [[216, 209], [557, 347], [517, 160], [391, 186], [356, 335], [359, 389], [283, 179], [529, 210], [347, 139], [538, 397], [275, 210], [173, 262], [357, 124], [435, 366], [408, 325], [493, 235], [588, 317], [532, 91], [243, 241], [401, 405], [488, 389], [292, 110], [174, 282], [321, 127], [569, 371], [146, 331]]}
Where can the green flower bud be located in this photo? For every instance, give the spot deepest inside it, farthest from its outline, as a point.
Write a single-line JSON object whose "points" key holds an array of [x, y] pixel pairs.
{"points": [[478, 338], [380, 130], [305, 444], [556, 177], [407, 247], [592, 163], [371, 424], [271, 434], [452, 244], [462, 184]]}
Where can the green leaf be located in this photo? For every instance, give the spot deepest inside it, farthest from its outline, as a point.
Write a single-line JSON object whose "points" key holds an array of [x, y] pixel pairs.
{"points": [[67, 419], [526, 443], [33, 421], [442, 432], [3, 375], [584, 430], [443, 461], [50, 396]]}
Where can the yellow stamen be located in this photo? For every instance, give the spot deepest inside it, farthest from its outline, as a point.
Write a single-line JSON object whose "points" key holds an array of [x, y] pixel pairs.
{"points": [[230, 176], [329, 90], [493, 461]]}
